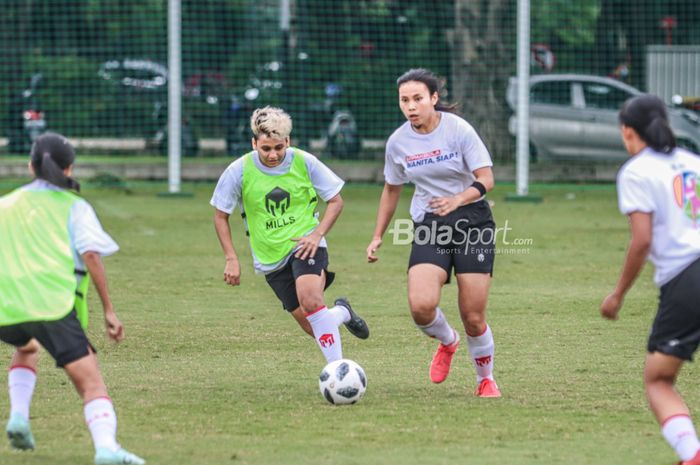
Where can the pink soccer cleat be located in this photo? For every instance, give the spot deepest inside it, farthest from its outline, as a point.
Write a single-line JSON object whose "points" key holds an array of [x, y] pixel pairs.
{"points": [[442, 360], [487, 388]]}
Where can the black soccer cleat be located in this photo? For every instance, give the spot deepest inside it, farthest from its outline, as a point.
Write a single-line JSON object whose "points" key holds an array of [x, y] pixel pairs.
{"points": [[356, 325]]}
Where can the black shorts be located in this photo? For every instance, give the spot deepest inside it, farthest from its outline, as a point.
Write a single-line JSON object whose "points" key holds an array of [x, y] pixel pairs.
{"points": [[464, 240], [676, 328], [64, 339], [283, 281]]}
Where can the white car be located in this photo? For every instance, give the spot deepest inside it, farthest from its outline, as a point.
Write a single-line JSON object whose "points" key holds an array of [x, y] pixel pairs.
{"points": [[575, 116]]}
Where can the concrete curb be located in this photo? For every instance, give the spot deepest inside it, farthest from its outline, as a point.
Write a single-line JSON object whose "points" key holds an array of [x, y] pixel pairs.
{"points": [[370, 171]]}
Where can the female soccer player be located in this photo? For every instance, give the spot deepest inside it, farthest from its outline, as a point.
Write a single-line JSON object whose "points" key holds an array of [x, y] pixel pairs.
{"points": [[51, 241], [657, 190], [444, 157], [277, 188]]}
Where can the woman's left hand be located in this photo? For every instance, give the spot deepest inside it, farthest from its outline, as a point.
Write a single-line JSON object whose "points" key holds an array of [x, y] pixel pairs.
{"points": [[444, 205], [307, 245]]}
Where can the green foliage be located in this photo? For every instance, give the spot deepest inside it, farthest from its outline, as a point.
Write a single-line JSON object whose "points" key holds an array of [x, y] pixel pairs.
{"points": [[361, 45], [132, 28], [66, 93], [573, 23]]}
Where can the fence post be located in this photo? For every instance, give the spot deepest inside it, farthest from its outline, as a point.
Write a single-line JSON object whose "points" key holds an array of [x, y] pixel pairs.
{"points": [[522, 156], [174, 96]]}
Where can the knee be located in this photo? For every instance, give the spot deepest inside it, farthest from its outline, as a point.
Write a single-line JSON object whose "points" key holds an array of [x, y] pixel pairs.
{"points": [[309, 303], [422, 309], [475, 324], [31, 348], [655, 378], [87, 378]]}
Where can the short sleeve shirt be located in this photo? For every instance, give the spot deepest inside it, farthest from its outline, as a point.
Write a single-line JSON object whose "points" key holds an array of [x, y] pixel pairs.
{"points": [[666, 186], [84, 228], [228, 191], [439, 164]]}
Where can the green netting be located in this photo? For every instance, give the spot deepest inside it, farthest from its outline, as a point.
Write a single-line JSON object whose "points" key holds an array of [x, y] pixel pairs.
{"points": [[103, 63]]}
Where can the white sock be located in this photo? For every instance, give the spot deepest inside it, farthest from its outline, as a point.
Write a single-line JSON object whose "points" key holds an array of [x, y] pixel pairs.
{"points": [[481, 349], [326, 333], [679, 432], [340, 314], [440, 329], [102, 422], [21, 381]]}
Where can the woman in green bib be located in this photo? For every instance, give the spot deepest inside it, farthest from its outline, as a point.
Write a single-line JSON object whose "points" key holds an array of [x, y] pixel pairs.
{"points": [[52, 243], [277, 189]]}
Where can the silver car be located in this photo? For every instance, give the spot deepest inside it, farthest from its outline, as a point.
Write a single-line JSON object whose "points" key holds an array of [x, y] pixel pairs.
{"points": [[574, 116]]}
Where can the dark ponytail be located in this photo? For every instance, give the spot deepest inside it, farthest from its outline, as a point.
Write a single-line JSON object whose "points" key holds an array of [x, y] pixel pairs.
{"points": [[432, 82], [646, 114], [51, 154]]}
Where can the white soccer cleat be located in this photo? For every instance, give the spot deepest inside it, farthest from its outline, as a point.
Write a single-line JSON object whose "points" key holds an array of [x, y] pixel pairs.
{"points": [[119, 457]]}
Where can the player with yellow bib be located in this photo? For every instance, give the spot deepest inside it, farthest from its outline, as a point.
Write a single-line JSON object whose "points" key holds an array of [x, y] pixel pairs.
{"points": [[277, 188], [52, 242]]}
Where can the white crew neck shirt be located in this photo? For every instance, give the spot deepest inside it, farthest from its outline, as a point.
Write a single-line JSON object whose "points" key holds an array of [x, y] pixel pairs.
{"points": [[665, 185], [84, 228], [228, 191], [439, 164]]}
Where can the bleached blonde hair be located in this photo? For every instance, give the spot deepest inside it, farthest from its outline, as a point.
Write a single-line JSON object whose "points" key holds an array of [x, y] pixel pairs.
{"points": [[271, 122]]}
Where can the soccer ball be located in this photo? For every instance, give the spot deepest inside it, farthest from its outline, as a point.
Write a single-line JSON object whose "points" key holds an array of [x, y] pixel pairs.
{"points": [[342, 382]]}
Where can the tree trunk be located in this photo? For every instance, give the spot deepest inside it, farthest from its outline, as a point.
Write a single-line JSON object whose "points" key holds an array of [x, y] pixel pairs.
{"points": [[482, 63]]}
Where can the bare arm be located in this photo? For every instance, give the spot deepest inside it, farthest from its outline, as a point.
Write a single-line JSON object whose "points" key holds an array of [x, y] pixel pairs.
{"points": [[387, 207], [308, 244], [232, 269], [444, 205], [640, 243], [93, 262]]}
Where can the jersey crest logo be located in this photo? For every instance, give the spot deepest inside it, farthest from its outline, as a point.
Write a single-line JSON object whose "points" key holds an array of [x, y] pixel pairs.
{"points": [[685, 190], [277, 201]]}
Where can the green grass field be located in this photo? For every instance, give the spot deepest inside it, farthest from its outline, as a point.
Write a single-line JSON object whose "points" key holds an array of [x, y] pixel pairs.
{"points": [[211, 374]]}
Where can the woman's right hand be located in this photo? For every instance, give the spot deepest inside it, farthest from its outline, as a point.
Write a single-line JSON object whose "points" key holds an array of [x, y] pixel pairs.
{"points": [[232, 272], [372, 249]]}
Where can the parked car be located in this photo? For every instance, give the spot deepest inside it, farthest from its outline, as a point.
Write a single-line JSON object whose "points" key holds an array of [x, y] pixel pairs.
{"points": [[148, 81], [574, 116], [135, 74], [691, 103]]}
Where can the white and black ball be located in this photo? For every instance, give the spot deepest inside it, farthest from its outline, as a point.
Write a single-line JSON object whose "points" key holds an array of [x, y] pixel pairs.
{"points": [[342, 382]]}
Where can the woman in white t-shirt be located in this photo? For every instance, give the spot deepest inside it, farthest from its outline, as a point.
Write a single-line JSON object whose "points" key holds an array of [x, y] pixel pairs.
{"points": [[442, 155], [51, 240], [657, 190]]}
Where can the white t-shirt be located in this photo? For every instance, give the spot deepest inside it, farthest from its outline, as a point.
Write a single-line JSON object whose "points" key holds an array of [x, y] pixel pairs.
{"points": [[84, 229], [228, 191], [665, 186], [440, 163]]}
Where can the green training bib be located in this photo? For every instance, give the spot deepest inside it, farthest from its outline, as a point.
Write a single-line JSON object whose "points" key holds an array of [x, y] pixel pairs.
{"points": [[277, 207], [37, 280]]}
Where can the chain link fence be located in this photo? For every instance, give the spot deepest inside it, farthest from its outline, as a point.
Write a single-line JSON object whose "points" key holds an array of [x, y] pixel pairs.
{"points": [[96, 70]]}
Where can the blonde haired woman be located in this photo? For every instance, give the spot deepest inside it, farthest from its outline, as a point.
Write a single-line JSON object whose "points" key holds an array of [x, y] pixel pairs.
{"points": [[276, 187]]}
